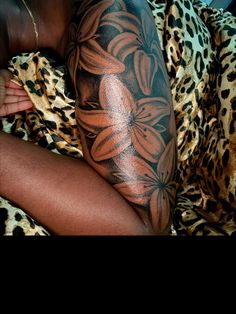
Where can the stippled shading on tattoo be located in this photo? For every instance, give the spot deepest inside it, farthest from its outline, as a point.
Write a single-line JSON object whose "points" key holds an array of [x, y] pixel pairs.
{"points": [[124, 108]]}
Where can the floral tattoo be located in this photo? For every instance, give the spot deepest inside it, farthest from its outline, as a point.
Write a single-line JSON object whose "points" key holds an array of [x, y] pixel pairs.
{"points": [[124, 108]]}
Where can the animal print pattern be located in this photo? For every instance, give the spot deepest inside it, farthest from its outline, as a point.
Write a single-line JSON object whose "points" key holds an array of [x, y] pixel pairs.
{"points": [[199, 48]]}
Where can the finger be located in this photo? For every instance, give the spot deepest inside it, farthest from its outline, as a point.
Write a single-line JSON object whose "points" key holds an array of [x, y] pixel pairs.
{"points": [[15, 99], [7, 109], [16, 92], [14, 85]]}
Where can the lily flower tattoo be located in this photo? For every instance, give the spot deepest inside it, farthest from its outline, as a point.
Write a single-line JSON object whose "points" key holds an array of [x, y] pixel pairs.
{"points": [[146, 186], [127, 123], [138, 38], [83, 51]]}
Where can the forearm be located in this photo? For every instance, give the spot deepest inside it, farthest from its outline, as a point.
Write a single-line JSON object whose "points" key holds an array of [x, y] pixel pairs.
{"points": [[66, 195], [124, 110]]}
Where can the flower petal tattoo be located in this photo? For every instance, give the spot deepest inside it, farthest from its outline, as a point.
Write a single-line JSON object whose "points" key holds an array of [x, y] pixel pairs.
{"points": [[129, 123], [138, 37], [145, 186], [124, 110], [83, 50]]}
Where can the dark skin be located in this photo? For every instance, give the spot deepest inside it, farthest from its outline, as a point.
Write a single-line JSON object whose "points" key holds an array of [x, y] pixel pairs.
{"points": [[126, 124], [17, 33]]}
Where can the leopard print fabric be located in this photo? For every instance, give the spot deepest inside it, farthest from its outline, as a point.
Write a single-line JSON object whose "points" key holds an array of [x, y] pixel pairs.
{"points": [[199, 48]]}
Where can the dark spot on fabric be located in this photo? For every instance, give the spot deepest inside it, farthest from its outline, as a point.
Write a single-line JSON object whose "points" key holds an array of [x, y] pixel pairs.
{"points": [[189, 111], [56, 138], [205, 53], [195, 24], [233, 104], [187, 16], [24, 66], [189, 44], [50, 97], [20, 134], [216, 188], [189, 137], [231, 127], [15, 72], [172, 22], [35, 60], [231, 76], [66, 131], [18, 231], [199, 65], [224, 111], [210, 166], [18, 217], [231, 30], [194, 197], [225, 43], [200, 41], [227, 181], [233, 59], [191, 88], [204, 161], [62, 114], [187, 80], [225, 55], [185, 106], [3, 218], [60, 95], [190, 31], [51, 124], [207, 128], [181, 49], [30, 220], [172, 72], [168, 35], [187, 4], [225, 158], [181, 12], [43, 142], [223, 69], [44, 71], [33, 90]]}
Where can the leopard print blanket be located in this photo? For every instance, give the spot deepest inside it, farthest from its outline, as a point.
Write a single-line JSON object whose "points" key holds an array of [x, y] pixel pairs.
{"points": [[199, 48]]}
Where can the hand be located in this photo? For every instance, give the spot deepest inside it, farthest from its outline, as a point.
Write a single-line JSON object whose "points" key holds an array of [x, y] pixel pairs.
{"points": [[13, 98]]}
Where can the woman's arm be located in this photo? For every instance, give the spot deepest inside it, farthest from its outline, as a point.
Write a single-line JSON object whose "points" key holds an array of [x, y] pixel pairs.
{"points": [[66, 195], [124, 111]]}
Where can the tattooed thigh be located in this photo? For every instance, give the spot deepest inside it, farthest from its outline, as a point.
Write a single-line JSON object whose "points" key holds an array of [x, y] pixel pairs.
{"points": [[124, 108]]}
